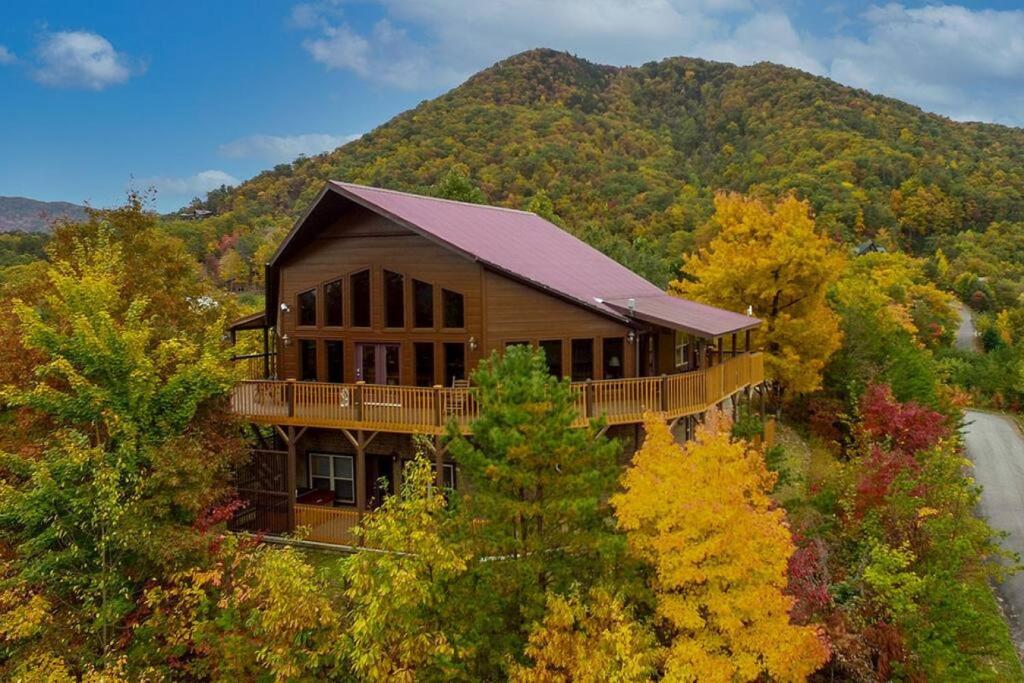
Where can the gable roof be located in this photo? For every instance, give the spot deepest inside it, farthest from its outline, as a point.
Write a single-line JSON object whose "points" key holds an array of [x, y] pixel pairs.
{"points": [[525, 247]]}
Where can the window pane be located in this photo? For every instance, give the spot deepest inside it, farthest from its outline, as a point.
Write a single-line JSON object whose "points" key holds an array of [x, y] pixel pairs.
{"points": [[307, 360], [394, 299], [343, 466], [613, 359], [344, 491], [448, 476], [368, 363], [335, 361], [391, 365], [582, 359], [321, 484], [454, 362], [552, 349], [423, 359], [452, 304], [423, 303], [307, 308], [321, 466], [333, 304], [360, 292]]}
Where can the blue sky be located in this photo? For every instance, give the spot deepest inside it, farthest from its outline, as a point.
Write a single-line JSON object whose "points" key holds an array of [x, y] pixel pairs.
{"points": [[187, 95]]}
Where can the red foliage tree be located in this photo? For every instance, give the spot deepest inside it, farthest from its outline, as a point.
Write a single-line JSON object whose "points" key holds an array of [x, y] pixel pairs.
{"points": [[908, 427]]}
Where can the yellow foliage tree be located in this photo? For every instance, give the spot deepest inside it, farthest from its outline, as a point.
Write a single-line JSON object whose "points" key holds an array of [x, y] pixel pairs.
{"points": [[702, 517], [588, 641], [398, 630], [775, 261]]}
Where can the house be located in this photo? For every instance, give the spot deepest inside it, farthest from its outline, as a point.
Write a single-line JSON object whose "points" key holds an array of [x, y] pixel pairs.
{"points": [[379, 304]]}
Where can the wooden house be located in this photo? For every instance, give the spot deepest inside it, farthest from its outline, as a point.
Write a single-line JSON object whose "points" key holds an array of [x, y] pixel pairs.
{"points": [[379, 304]]}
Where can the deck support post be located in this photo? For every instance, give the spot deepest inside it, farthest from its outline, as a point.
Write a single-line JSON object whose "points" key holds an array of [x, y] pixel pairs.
{"points": [[438, 462], [396, 468], [266, 353], [360, 473], [289, 388], [290, 478], [734, 350]]}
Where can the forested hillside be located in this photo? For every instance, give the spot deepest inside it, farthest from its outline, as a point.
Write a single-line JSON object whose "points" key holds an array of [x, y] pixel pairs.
{"points": [[631, 157]]}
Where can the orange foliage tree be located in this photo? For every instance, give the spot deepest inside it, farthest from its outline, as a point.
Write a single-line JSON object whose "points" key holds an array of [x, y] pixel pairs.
{"points": [[701, 516]]}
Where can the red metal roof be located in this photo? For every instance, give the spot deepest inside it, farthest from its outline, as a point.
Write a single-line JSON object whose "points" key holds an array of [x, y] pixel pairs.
{"points": [[529, 248]]}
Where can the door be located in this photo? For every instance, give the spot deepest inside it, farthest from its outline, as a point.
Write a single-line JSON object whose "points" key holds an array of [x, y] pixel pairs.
{"points": [[377, 363]]}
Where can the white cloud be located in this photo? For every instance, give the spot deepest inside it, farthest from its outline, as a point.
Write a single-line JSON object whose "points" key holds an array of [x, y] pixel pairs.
{"points": [[950, 59], [6, 56], [947, 58], [200, 183], [80, 59], [281, 148]]}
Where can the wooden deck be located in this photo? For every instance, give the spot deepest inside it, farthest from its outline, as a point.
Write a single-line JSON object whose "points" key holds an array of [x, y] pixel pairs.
{"points": [[418, 410]]}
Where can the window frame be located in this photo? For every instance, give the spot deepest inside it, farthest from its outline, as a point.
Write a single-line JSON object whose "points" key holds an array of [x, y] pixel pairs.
{"points": [[298, 308], [353, 323], [621, 341], [332, 477], [386, 304], [340, 281], [416, 345], [561, 357], [415, 308], [572, 358], [299, 347], [444, 309], [444, 360], [327, 360]]}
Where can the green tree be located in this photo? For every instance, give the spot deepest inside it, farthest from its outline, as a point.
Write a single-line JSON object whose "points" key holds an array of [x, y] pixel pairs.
{"points": [[538, 487], [456, 184], [137, 450]]}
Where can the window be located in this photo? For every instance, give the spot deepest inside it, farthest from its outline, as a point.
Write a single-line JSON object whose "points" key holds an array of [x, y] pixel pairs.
{"points": [[448, 476], [307, 360], [582, 359], [452, 304], [454, 362], [552, 349], [333, 473], [359, 289], [423, 360], [334, 306], [307, 308], [335, 360], [613, 359], [423, 304], [394, 299]]}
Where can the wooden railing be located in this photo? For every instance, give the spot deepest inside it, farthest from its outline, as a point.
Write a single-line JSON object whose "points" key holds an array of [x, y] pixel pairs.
{"points": [[428, 410], [257, 365], [324, 524]]}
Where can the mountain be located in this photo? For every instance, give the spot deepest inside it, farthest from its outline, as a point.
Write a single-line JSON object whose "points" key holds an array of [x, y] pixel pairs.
{"points": [[631, 157], [19, 214]]}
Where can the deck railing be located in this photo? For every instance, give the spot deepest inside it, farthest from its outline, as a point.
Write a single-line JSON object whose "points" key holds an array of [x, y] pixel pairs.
{"points": [[428, 410], [257, 365], [325, 524]]}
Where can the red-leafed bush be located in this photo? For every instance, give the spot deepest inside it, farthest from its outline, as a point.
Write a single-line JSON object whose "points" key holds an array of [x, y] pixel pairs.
{"points": [[878, 471], [808, 580], [908, 427]]}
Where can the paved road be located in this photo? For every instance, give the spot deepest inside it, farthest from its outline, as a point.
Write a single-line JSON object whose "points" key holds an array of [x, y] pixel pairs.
{"points": [[965, 339], [996, 447]]}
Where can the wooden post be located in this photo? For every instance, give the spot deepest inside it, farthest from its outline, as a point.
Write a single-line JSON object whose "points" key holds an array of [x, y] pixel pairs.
{"points": [[266, 354], [290, 477], [358, 399], [360, 473], [438, 463], [734, 351], [664, 393], [438, 408], [588, 403], [396, 467], [746, 346], [290, 396]]}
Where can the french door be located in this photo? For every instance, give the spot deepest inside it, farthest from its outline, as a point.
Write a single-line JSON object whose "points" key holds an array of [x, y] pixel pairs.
{"points": [[377, 363]]}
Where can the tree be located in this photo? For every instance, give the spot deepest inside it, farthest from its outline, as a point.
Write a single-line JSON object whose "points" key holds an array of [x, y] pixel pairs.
{"points": [[399, 628], [539, 487], [589, 640], [254, 612], [138, 449], [774, 261], [702, 517], [456, 184]]}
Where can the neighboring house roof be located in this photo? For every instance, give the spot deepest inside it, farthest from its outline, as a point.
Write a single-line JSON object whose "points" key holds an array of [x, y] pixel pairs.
{"points": [[525, 247], [869, 247]]}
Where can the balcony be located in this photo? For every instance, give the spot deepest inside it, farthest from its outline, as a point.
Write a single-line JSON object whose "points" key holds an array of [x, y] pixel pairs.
{"points": [[428, 410]]}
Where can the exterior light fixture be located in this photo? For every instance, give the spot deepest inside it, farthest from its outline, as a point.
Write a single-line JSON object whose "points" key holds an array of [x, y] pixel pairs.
{"points": [[285, 308], [472, 344], [286, 340], [631, 336]]}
